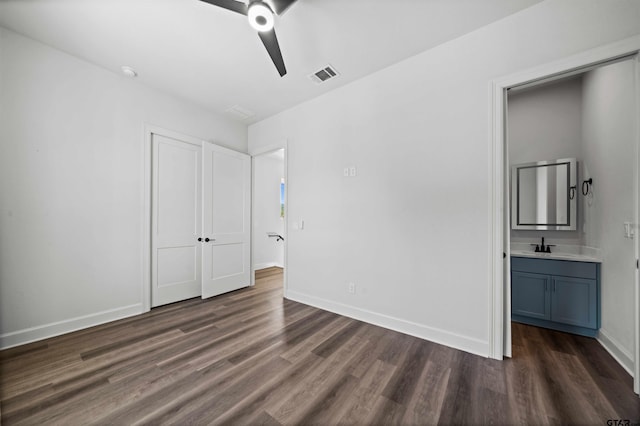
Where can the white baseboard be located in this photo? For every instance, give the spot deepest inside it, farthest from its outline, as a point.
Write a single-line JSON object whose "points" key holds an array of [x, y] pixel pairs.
{"points": [[615, 349], [41, 332], [258, 266], [457, 341]]}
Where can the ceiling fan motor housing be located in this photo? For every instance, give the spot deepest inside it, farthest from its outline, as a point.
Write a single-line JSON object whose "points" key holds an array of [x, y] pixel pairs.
{"points": [[260, 16]]}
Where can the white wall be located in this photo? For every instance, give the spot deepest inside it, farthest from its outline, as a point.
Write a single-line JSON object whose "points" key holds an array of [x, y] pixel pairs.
{"points": [[71, 187], [609, 157], [545, 123], [411, 229], [268, 173]]}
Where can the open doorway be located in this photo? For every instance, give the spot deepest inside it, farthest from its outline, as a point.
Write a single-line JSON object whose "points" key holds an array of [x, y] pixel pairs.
{"points": [[572, 189], [269, 214], [501, 249]]}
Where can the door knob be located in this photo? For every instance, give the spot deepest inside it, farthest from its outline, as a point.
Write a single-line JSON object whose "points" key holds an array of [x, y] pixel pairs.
{"points": [[200, 239], [207, 239]]}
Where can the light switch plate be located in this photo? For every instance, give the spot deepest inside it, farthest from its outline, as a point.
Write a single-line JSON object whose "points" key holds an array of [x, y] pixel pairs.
{"points": [[628, 230]]}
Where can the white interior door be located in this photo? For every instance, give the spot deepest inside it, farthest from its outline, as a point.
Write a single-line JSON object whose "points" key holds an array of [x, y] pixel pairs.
{"points": [[226, 220], [175, 220]]}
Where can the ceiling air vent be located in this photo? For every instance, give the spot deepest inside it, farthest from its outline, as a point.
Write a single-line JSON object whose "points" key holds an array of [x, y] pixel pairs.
{"points": [[324, 74], [239, 113]]}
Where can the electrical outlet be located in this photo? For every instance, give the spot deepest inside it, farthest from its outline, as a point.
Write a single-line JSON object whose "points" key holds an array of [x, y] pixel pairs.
{"points": [[345, 172], [352, 171], [352, 288]]}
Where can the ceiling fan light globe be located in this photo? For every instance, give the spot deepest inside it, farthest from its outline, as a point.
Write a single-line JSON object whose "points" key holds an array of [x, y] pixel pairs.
{"points": [[260, 17]]}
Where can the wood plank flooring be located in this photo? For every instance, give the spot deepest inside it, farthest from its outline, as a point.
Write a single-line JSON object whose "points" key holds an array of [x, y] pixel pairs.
{"points": [[250, 357]]}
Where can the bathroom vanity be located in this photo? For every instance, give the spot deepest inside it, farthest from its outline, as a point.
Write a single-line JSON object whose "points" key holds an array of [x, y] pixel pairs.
{"points": [[555, 288], [560, 291]]}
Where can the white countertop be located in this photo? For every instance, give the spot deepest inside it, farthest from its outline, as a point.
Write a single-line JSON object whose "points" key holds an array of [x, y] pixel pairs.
{"points": [[559, 252], [557, 256]]}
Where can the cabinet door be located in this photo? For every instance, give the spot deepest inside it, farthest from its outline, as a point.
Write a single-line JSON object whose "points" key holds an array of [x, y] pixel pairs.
{"points": [[573, 301], [530, 295]]}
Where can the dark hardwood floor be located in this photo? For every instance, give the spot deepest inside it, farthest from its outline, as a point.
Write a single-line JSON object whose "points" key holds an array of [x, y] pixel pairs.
{"points": [[250, 357]]}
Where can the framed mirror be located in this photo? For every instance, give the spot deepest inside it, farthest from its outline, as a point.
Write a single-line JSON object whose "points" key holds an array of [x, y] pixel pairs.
{"points": [[544, 195]]}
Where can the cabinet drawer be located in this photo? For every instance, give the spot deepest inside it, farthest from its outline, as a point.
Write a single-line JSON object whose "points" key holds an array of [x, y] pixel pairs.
{"points": [[565, 268]]}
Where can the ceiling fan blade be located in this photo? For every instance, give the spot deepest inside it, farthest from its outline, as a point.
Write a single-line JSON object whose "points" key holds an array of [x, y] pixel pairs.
{"points": [[232, 5], [270, 41], [280, 6]]}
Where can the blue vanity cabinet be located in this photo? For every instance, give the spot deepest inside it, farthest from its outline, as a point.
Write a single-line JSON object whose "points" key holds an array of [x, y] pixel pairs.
{"points": [[558, 294], [530, 296]]}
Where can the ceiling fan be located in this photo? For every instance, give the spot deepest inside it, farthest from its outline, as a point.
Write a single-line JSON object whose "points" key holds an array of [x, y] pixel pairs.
{"points": [[260, 14]]}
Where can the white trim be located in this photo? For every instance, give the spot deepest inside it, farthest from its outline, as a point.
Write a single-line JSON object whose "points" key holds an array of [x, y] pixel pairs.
{"points": [[146, 219], [266, 149], [496, 215], [636, 375], [590, 57], [284, 144], [615, 349], [506, 239], [457, 341], [252, 255], [287, 202], [625, 47], [57, 328]]}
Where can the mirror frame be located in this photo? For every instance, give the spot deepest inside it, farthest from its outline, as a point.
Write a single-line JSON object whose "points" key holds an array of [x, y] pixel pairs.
{"points": [[573, 202]]}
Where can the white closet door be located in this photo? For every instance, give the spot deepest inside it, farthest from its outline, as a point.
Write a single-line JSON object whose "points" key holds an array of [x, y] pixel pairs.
{"points": [[226, 220], [175, 220]]}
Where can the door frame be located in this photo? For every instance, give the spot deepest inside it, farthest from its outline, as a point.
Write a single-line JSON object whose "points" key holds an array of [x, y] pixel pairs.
{"points": [[499, 320], [147, 170], [255, 153], [636, 366]]}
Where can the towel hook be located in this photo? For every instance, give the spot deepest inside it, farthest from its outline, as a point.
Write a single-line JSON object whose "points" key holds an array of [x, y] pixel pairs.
{"points": [[586, 186]]}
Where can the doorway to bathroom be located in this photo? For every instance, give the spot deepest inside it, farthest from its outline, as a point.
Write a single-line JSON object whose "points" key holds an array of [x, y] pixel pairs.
{"points": [[269, 216], [598, 83]]}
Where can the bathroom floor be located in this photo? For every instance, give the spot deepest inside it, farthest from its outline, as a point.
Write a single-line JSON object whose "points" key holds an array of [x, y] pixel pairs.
{"points": [[561, 377]]}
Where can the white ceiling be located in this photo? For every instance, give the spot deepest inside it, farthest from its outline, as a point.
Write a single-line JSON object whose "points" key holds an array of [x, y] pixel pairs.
{"points": [[212, 57]]}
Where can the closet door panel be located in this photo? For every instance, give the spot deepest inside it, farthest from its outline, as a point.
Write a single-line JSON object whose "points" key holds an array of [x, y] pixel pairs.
{"points": [[226, 220], [175, 220]]}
